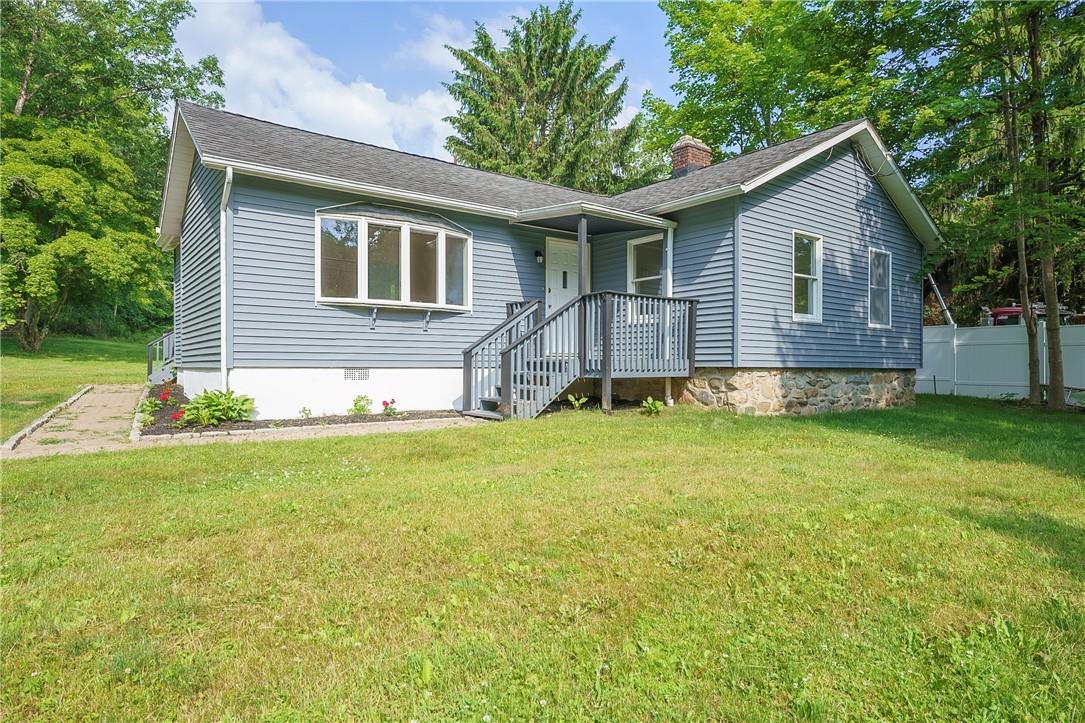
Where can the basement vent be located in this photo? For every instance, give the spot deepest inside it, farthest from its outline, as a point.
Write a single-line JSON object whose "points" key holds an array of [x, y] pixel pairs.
{"points": [[356, 374]]}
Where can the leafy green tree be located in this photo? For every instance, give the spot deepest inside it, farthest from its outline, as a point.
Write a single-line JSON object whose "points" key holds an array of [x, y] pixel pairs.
{"points": [[71, 229], [545, 106], [91, 79], [981, 103]]}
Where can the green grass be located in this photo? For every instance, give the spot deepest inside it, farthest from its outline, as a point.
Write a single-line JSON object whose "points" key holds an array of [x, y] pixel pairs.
{"points": [[30, 384], [924, 564]]}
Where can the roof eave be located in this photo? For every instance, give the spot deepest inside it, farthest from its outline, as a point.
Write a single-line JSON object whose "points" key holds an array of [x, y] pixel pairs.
{"points": [[174, 191], [588, 208], [894, 183], [715, 194], [368, 189]]}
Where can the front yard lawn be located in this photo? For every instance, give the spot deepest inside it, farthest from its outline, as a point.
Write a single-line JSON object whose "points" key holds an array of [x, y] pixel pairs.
{"points": [[31, 384], [923, 564]]}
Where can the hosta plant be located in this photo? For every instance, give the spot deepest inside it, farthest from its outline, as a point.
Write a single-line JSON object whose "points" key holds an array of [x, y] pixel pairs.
{"points": [[213, 407]]}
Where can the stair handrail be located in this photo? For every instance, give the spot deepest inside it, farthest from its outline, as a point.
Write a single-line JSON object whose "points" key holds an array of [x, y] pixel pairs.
{"points": [[576, 356], [160, 352], [602, 326], [530, 306]]}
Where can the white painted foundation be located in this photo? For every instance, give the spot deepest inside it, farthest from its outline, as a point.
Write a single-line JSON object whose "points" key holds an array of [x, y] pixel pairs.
{"points": [[281, 393], [196, 381]]}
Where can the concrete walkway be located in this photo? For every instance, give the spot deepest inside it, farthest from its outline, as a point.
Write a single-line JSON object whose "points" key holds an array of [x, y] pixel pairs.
{"points": [[101, 421]]}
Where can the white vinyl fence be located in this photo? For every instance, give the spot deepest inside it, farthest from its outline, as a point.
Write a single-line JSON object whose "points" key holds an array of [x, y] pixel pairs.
{"points": [[992, 361]]}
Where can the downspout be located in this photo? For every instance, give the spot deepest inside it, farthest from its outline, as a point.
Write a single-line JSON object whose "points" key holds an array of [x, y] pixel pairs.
{"points": [[941, 301], [224, 378], [668, 290], [952, 325]]}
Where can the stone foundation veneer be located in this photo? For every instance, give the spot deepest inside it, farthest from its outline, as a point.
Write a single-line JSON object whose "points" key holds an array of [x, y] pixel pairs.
{"points": [[800, 391]]}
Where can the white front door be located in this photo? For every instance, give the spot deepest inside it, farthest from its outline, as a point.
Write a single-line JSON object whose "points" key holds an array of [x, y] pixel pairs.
{"points": [[562, 273]]}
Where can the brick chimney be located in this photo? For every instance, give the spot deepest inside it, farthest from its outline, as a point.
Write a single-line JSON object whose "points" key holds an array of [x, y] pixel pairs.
{"points": [[689, 154]]}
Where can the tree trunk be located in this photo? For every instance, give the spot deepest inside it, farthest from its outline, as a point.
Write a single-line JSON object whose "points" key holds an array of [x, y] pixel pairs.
{"points": [[1056, 392], [28, 70], [1013, 153], [28, 330]]}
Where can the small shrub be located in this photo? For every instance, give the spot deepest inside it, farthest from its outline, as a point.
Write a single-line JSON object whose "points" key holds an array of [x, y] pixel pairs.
{"points": [[578, 401], [362, 405], [145, 419], [164, 397], [305, 412], [214, 407], [389, 408], [150, 405], [651, 407]]}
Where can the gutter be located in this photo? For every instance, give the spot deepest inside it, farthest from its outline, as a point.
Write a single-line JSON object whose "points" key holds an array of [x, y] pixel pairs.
{"points": [[593, 209], [224, 379], [368, 189]]}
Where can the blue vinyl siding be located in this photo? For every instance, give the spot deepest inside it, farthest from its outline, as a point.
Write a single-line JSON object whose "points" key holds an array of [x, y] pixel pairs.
{"points": [[276, 321], [703, 261], [835, 199], [196, 275]]}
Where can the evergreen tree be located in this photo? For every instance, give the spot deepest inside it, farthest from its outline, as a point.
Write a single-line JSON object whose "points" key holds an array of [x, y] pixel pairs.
{"points": [[545, 106]]}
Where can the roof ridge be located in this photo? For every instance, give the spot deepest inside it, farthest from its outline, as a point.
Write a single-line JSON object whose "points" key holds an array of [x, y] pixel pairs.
{"points": [[392, 150]]}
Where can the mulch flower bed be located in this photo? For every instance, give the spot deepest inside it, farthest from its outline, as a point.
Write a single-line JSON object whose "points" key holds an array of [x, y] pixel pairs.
{"points": [[165, 419]]}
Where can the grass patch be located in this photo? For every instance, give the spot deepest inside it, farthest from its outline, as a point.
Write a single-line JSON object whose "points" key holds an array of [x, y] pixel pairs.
{"points": [[913, 564], [31, 384]]}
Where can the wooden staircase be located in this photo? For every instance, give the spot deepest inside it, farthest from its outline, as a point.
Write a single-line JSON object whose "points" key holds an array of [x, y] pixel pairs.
{"points": [[522, 365]]}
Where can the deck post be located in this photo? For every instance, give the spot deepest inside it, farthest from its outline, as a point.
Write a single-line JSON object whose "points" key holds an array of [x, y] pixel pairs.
{"points": [[468, 377], [582, 336], [692, 341], [608, 348], [506, 383], [150, 358], [582, 251]]}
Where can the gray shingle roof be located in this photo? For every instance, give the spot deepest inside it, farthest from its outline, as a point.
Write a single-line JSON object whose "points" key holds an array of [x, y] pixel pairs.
{"points": [[239, 138], [242, 139], [730, 172]]}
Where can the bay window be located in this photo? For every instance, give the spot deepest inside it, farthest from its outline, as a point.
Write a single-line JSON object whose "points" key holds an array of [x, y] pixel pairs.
{"points": [[400, 263]]}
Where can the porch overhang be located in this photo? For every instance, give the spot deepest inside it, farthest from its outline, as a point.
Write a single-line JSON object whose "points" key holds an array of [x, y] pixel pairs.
{"points": [[600, 219]]}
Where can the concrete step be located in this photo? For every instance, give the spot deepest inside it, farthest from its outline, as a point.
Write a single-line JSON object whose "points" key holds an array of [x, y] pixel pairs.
{"points": [[484, 414]]}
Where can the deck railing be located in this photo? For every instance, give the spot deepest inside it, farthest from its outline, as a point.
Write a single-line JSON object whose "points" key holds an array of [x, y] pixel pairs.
{"points": [[160, 356], [514, 307], [482, 360], [603, 335]]}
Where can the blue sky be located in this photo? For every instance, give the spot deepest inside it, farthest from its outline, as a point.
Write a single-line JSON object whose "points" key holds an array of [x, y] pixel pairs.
{"points": [[372, 71]]}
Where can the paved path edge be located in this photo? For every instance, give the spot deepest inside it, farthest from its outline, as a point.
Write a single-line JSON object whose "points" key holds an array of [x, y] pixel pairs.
{"points": [[13, 441], [134, 434]]}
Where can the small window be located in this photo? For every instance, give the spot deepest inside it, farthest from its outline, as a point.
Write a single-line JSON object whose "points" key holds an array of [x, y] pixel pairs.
{"points": [[880, 282], [338, 258], [806, 277], [646, 266]]}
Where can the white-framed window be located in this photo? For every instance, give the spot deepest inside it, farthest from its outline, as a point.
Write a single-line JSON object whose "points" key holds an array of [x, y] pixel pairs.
{"points": [[880, 289], [374, 262], [645, 266], [805, 276]]}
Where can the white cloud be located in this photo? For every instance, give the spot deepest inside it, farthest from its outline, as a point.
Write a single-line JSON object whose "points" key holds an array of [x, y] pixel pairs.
{"points": [[439, 31], [430, 48], [627, 114], [272, 75]]}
